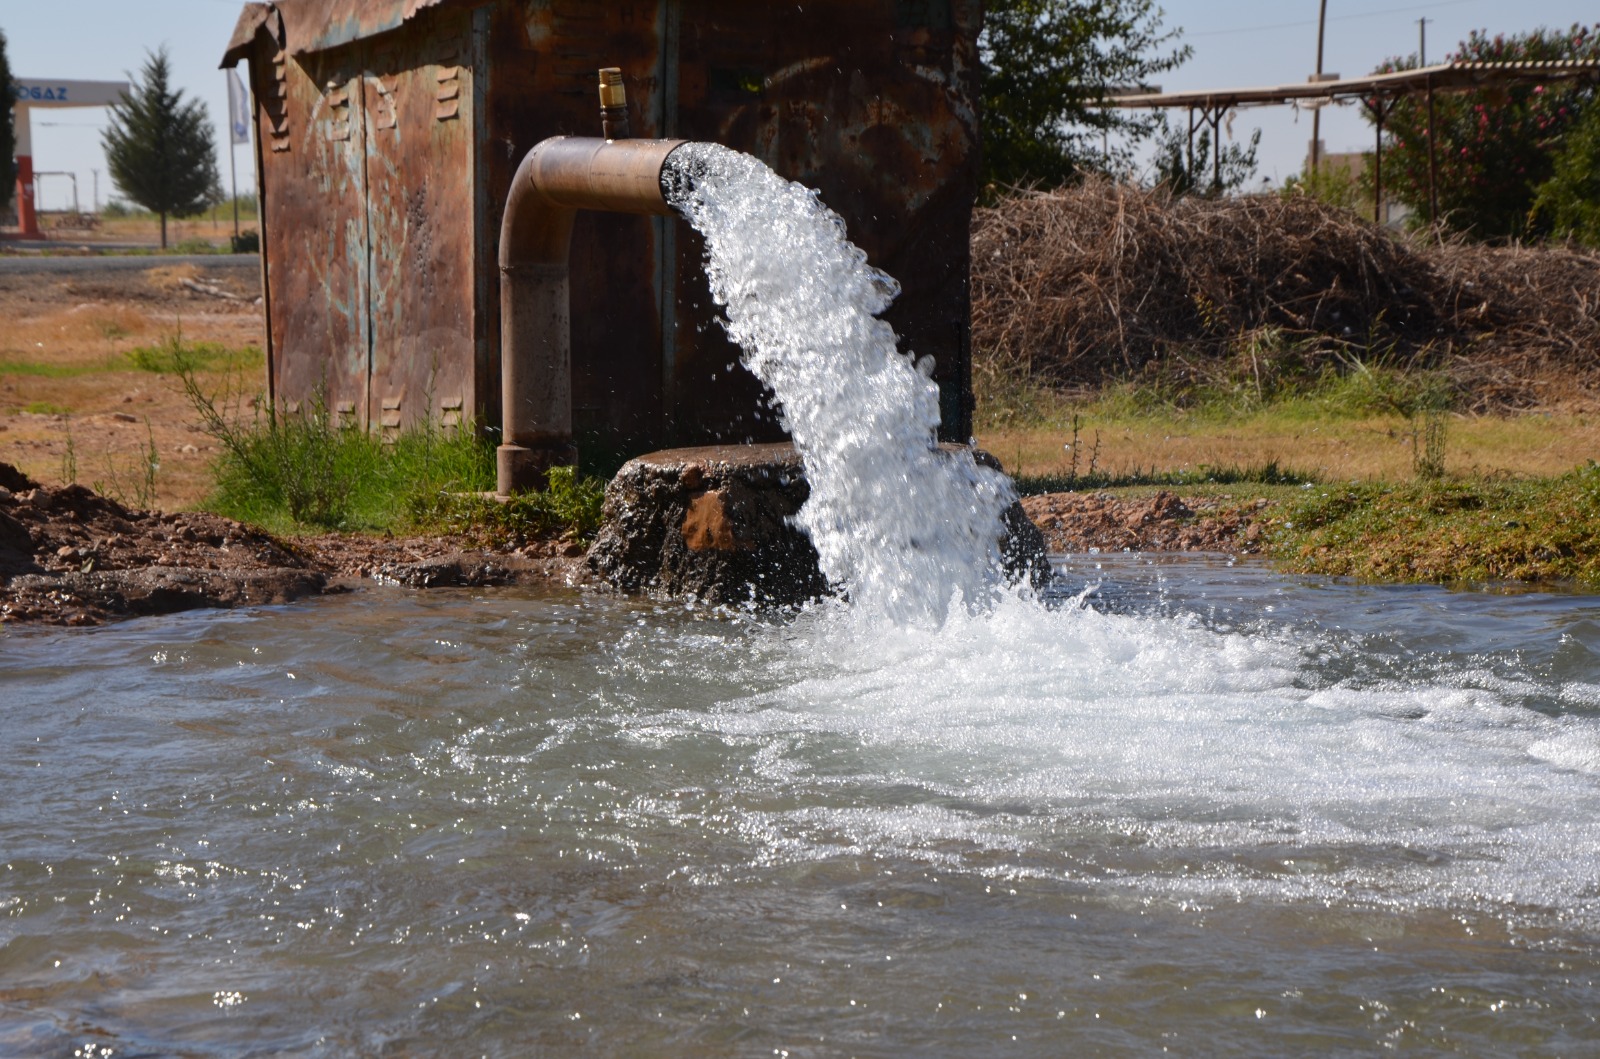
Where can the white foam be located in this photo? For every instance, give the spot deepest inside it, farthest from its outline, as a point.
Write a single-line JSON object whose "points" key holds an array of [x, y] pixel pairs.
{"points": [[903, 528], [1157, 755]]}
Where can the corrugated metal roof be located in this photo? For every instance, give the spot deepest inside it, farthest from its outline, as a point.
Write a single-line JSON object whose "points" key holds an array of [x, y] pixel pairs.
{"points": [[304, 26], [1454, 76]]}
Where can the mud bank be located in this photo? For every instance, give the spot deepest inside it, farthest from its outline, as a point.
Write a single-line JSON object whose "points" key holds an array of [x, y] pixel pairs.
{"points": [[71, 557]]}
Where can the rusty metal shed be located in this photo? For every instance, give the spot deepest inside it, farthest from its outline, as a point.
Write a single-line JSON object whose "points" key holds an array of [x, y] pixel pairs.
{"points": [[389, 130]]}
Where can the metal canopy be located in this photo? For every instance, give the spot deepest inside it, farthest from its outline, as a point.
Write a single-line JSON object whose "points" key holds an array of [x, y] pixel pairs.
{"points": [[1379, 93], [1444, 77]]}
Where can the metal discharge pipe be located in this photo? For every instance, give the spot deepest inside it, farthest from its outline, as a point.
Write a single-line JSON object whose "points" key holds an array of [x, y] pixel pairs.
{"points": [[559, 177]]}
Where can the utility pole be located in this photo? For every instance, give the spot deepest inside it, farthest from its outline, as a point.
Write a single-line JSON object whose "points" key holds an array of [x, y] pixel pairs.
{"points": [[1316, 115], [1433, 154]]}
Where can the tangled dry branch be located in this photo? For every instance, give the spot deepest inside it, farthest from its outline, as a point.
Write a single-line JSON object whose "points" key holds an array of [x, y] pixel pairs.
{"points": [[1106, 281]]}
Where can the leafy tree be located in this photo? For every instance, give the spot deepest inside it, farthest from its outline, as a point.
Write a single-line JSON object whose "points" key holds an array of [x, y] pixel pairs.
{"points": [[1044, 64], [1236, 165], [1336, 185], [1569, 202], [8, 133], [1495, 145], [159, 147]]}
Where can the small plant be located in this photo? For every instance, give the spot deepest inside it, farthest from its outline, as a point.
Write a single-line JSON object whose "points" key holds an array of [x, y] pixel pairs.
{"points": [[1428, 443], [138, 491], [1075, 453], [287, 470], [46, 408], [69, 460]]}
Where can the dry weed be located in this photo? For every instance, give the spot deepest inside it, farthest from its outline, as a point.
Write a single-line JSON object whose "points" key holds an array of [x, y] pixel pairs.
{"points": [[1109, 281]]}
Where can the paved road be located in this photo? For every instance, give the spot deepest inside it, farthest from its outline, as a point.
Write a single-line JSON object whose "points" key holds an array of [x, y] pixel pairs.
{"points": [[30, 264]]}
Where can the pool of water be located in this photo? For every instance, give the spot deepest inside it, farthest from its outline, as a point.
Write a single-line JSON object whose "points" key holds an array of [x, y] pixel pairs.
{"points": [[1212, 811]]}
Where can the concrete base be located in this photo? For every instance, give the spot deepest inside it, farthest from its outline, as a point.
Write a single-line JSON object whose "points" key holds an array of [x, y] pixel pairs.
{"points": [[714, 523]]}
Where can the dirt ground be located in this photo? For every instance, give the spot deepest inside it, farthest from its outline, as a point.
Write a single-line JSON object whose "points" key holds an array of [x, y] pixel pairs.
{"points": [[69, 556], [64, 229], [73, 405]]}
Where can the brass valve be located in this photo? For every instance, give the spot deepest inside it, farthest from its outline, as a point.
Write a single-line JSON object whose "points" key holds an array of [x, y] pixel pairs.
{"points": [[613, 104]]}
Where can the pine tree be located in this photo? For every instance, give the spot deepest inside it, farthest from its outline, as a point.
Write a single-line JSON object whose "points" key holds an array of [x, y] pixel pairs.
{"points": [[8, 133], [159, 147]]}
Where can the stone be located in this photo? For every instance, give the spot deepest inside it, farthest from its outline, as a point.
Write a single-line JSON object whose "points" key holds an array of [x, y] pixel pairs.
{"points": [[716, 524]]}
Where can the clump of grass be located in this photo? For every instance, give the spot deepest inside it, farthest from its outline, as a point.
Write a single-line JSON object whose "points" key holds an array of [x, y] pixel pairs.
{"points": [[46, 408], [569, 505], [174, 356], [290, 471], [1485, 530], [286, 471]]}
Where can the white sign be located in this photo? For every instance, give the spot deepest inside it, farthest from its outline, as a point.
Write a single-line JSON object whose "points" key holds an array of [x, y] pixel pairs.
{"points": [[39, 92]]}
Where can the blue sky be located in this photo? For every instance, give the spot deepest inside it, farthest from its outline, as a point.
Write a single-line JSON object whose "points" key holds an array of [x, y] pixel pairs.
{"points": [[1236, 43]]}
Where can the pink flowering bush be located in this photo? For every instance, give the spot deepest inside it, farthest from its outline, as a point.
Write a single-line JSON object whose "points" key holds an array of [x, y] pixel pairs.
{"points": [[1497, 145]]}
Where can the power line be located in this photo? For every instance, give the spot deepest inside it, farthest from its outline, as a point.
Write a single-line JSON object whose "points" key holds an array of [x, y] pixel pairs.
{"points": [[1332, 18]]}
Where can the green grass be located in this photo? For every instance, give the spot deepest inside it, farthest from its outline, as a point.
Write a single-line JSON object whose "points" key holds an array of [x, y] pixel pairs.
{"points": [[46, 408], [1344, 391], [288, 473], [1269, 474], [34, 369], [170, 356], [1466, 531], [174, 356], [293, 472], [570, 505]]}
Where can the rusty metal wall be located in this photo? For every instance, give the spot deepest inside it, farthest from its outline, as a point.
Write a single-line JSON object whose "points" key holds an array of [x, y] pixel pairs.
{"points": [[382, 209], [543, 60], [873, 105], [421, 196], [313, 181]]}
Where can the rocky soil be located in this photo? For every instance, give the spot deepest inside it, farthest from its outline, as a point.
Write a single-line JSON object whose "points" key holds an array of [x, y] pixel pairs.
{"points": [[71, 557], [1165, 522]]}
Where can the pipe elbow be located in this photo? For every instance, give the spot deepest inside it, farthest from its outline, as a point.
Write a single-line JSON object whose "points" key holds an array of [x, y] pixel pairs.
{"points": [[564, 174]]}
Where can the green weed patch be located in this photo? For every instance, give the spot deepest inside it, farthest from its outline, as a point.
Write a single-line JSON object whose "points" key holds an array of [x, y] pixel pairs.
{"points": [[174, 356], [289, 472], [1487, 530]]}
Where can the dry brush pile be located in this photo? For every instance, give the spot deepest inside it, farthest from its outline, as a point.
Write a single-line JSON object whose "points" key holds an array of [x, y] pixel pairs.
{"points": [[1107, 281]]}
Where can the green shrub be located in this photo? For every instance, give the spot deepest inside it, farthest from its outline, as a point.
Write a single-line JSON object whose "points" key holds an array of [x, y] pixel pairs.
{"points": [[196, 245], [288, 471]]}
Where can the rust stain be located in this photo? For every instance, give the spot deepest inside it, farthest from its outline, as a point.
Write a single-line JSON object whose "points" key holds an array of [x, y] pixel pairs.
{"points": [[706, 526]]}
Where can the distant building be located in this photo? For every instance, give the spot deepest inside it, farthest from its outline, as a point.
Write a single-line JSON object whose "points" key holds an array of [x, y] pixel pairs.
{"points": [[1395, 214]]}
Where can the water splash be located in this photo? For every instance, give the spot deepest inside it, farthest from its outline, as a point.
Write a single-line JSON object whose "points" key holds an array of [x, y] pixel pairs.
{"points": [[903, 527]]}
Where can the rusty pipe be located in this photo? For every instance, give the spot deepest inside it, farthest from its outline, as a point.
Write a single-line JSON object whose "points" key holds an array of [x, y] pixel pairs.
{"points": [[557, 178]]}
